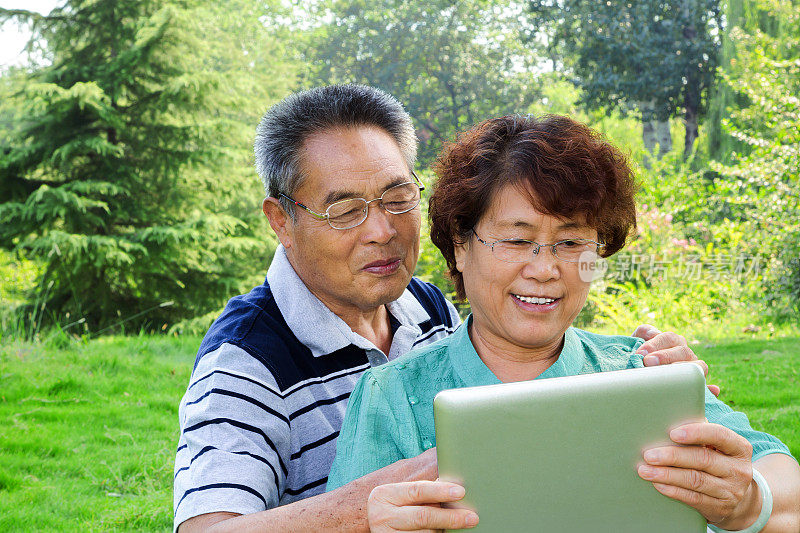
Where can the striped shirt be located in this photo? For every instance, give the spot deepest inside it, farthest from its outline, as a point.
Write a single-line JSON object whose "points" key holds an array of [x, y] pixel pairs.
{"points": [[269, 389]]}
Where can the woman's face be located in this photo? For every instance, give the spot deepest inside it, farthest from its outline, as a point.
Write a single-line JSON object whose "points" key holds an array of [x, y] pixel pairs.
{"points": [[522, 306]]}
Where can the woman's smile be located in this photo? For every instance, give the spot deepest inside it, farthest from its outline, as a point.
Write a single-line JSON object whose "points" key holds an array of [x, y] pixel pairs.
{"points": [[536, 304]]}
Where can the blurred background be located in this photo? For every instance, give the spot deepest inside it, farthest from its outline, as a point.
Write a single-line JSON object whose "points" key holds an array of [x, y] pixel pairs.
{"points": [[130, 207], [128, 199]]}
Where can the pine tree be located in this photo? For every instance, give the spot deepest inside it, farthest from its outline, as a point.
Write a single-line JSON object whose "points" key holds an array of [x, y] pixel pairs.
{"points": [[127, 169]]}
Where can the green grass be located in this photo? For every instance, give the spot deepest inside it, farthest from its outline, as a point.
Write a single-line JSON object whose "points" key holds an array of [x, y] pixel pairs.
{"points": [[88, 431], [762, 379]]}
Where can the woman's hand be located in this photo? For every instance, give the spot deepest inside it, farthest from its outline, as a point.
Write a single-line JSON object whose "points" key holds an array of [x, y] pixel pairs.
{"points": [[711, 472], [415, 506]]}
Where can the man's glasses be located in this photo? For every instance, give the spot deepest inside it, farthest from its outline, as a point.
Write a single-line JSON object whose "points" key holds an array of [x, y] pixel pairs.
{"points": [[522, 251], [349, 213]]}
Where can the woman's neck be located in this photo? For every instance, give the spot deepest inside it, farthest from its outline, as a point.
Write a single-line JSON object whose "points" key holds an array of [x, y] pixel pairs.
{"points": [[509, 362]]}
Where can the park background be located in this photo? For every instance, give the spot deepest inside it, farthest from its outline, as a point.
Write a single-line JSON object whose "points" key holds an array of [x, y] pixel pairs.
{"points": [[130, 209]]}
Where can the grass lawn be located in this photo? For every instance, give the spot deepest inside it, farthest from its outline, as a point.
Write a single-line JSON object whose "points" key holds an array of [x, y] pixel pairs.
{"points": [[762, 379], [88, 431]]}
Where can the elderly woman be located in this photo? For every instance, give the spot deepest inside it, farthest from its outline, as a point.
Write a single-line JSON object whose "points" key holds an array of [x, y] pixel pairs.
{"points": [[522, 209]]}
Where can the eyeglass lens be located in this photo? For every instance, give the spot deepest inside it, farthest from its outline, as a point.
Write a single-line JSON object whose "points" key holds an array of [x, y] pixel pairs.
{"points": [[352, 212], [520, 251]]}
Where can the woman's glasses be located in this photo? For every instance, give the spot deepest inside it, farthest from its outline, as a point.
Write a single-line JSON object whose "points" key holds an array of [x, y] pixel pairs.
{"points": [[522, 251]]}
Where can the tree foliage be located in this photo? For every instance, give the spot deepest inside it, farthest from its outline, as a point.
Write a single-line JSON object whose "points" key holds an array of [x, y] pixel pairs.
{"points": [[656, 57], [451, 64], [750, 17], [762, 185], [123, 158], [126, 180]]}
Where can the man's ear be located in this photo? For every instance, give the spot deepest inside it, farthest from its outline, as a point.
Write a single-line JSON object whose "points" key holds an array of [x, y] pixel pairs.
{"points": [[279, 220], [460, 252]]}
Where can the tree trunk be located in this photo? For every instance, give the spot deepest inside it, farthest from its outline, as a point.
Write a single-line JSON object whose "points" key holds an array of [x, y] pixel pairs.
{"points": [[655, 133], [691, 91], [664, 137], [649, 135], [691, 106], [690, 119]]}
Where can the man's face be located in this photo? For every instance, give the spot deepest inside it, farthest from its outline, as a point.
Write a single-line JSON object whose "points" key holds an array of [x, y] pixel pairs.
{"points": [[361, 268]]}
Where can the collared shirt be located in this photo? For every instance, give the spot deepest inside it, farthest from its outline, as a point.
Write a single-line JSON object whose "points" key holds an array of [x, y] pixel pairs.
{"points": [[268, 392], [390, 416]]}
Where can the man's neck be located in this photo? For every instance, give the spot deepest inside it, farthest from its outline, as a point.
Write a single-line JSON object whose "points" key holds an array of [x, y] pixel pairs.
{"points": [[373, 325]]}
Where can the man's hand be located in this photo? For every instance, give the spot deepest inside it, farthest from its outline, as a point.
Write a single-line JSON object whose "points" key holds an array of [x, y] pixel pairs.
{"points": [[667, 348], [710, 470], [420, 468], [416, 506], [340, 510]]}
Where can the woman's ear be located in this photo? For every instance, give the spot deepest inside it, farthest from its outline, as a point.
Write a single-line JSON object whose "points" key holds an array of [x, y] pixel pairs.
{"points": [[460, 251], [279, 220]]}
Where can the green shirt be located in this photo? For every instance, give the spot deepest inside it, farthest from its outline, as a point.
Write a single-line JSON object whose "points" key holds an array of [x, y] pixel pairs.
{"points": [[390, 413]]}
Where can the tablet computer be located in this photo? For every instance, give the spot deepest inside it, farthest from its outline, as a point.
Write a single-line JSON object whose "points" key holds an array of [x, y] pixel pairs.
{"points": [[560, 454]]}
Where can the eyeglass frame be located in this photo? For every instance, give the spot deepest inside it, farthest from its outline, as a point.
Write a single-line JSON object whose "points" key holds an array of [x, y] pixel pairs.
{"points": [[552, 246], [326, 216]]}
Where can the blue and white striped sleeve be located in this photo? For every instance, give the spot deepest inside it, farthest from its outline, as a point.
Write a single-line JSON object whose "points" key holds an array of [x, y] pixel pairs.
{"points": [[234, 445]]}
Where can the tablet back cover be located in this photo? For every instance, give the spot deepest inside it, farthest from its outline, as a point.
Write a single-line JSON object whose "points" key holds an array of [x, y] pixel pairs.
{"points": [[561, 454]]}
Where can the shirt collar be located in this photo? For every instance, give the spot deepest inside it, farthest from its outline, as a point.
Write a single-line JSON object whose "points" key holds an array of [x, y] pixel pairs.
{"points": [[316, 326], [473, 372]]}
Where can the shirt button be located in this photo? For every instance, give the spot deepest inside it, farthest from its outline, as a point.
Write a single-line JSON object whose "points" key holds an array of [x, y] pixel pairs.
{"points": [[427, 444], [412, 400], [400, 366]]}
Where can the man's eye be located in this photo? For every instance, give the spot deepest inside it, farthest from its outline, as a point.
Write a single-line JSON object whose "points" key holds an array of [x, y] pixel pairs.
{"points": [[346, 212], [517, 243], [570, 243], [350, 213]]}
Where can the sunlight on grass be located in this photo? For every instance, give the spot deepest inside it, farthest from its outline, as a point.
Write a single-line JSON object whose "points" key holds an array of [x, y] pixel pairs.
{"points": [[90, 433], [762, 379]]}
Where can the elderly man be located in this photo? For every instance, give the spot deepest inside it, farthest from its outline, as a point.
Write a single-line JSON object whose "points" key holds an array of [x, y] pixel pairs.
{"points": [[265, 404]]}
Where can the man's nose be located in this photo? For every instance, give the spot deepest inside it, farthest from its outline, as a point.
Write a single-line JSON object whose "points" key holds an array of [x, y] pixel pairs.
{"points": [[379, 224]]}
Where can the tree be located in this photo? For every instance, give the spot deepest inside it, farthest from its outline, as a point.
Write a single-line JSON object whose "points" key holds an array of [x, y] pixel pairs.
{"points": [[451, 64], [123, 170], [658, 58], [761, 187], [751, 17]]}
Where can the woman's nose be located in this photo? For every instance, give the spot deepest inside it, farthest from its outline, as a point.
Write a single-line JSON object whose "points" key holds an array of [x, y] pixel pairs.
{"points": [[542, 265]]}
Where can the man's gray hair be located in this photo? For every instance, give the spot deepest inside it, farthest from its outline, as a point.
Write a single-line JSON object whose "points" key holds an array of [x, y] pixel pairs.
{"points": [[286, 126]]}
